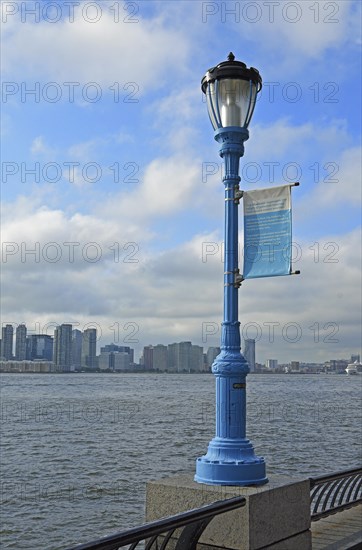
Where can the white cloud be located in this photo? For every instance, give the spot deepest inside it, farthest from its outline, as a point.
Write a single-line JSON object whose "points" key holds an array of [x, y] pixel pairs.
{"points": [[282, 138], [294, 33], [83, 151], [338, 196], [170, 294], [346, 187], [168, 185], [104, 52], [40, 147], [176, 295]]}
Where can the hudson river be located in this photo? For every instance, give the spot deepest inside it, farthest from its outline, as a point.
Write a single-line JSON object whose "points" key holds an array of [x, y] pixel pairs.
{"points": [[77, 449]]}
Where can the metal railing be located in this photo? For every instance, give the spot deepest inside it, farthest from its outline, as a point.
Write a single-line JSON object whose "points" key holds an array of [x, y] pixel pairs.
{"points": [[157, 534], [335, 492], [329, 494]]}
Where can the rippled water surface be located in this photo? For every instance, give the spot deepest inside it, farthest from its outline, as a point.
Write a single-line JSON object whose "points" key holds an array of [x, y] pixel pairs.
{"points": [[77, 449]]}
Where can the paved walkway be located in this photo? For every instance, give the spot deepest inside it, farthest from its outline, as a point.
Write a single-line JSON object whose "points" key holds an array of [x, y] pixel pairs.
{"points": [[341, 531]]}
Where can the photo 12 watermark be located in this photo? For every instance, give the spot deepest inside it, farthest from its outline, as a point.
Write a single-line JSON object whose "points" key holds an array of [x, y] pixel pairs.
{"points": [[321, 252], [68, 251], [274, 171], [70, 12], [69, 92], [290, 332], [71, 171], [270, 12]]}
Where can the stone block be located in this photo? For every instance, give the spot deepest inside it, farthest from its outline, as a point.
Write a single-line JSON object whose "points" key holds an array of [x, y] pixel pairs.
{"points": [[276, 515]]}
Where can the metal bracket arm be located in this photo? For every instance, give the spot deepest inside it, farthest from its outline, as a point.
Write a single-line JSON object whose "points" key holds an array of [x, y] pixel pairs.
{"points": [[238, 195], [238, 279]]}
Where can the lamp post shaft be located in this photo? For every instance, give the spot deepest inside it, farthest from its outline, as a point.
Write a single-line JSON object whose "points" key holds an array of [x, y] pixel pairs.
{"points": [[230, 459]]}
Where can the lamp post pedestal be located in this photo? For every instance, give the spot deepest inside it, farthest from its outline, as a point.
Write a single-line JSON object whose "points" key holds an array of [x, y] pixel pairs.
{"points": [[230, 459]]}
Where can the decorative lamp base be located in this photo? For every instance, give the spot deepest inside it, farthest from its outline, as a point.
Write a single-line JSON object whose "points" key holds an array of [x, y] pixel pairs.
{"points": [[241, 467]]}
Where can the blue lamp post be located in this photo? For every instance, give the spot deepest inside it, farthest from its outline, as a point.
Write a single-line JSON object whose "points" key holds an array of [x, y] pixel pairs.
{"points": [[231, 90]]}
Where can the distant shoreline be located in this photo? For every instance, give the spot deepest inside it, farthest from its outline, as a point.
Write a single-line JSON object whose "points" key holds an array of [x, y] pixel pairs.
{"points": [[163, 372]]}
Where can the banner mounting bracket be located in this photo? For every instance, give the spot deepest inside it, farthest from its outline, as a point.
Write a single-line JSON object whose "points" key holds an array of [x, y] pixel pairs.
{"points": [[238, 195]]}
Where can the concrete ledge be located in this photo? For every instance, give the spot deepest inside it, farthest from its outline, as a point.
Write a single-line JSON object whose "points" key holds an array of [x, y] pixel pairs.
{"points": [[276, 515]]}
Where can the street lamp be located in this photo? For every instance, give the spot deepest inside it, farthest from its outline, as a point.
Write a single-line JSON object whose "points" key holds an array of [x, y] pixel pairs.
{"points": [[231, 90]]}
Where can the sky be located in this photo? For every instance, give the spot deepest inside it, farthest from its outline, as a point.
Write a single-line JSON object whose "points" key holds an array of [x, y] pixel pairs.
{"points": [[112, 197]]}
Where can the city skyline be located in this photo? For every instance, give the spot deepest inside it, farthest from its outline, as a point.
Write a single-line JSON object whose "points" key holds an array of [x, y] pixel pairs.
{"points": [[112, 202], [71, 349]]}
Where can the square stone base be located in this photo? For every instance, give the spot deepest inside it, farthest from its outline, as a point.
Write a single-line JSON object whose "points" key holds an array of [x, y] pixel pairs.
{"points": [[276, 515]]}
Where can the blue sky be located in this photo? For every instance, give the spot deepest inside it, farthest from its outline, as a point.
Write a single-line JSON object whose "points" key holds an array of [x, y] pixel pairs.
{"points": [[111, 174]]}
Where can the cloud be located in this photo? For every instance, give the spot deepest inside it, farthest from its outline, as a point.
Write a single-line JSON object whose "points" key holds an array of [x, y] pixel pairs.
{"points": [[168, 185], [337, 198], [40, 147], [283, 138], [177, 294], [302, 31], [104, 52], [171, 293], [329, 26]]}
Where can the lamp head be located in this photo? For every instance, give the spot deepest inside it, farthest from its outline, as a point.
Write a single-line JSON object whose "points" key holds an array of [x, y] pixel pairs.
{"points": [[231, 89]]}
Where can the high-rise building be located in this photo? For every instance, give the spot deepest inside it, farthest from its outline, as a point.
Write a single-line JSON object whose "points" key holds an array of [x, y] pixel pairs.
{"points": [[20, 343], [271, 364], [7, 342], [179, 357], [148, 357], [77, 338], [355, 358], [39, 347], [249, 353], [62, 355], [294, 366], [160, 357], [184, 359], [211, 355], [114, 347], [121, 361], [106, 360], [196, 361], [89, 345], [172, 357]]}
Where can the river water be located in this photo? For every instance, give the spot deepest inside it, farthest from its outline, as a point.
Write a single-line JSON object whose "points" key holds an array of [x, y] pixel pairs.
{"points": [[77, 449]]}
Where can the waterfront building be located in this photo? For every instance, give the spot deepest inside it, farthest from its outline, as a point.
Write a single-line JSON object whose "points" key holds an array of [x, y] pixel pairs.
{"points": [[121, 361], [127, 349], [20, 343], [7, 342], [172, 357], [160, 357], [62, 354], [115, 360], [148, 357], [27, 366], [249, 353], [179, 356], [271, 364], [355, 358], [335, 366], [113, 347], [39, 347], [89, 344], [196, 361], [184, 356], [211, 355], [77, 338], [104, 360]]}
